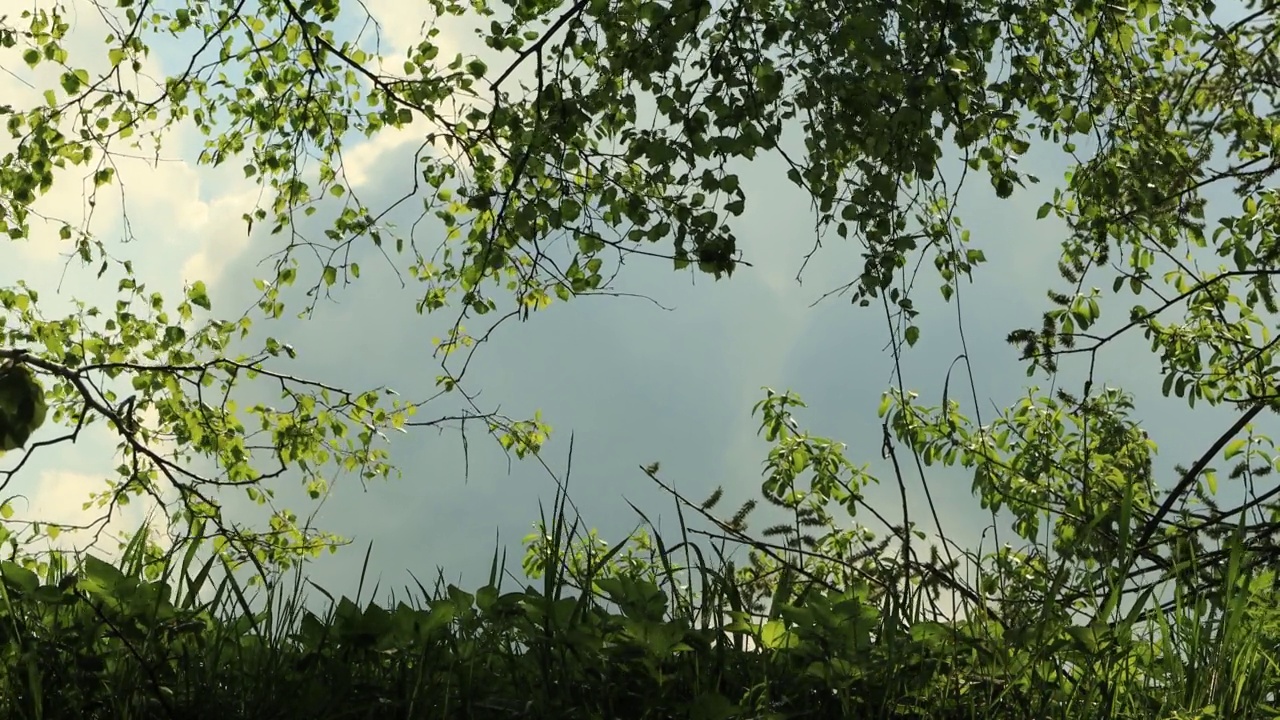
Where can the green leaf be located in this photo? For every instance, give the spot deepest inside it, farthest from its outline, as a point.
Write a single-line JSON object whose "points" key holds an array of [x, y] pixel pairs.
{"points": [[22, 406], [198, 295], [70, 83]]}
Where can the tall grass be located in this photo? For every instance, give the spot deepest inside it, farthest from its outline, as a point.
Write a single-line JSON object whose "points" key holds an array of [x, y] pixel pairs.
{"points": [[638, 629]]}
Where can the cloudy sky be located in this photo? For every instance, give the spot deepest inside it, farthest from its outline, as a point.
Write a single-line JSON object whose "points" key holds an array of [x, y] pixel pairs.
{"points": [[671, 378]]}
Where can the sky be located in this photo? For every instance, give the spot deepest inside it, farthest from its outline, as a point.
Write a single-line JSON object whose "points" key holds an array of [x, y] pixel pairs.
{"points": [[671, 379]]}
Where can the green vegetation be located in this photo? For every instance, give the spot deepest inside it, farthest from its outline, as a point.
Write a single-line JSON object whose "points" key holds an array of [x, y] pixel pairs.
{"points": [[616, 632], [612, 130]]}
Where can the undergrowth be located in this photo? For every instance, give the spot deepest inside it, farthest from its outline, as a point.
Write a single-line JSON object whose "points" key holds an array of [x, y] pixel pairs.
{"points": [[607, 635]]}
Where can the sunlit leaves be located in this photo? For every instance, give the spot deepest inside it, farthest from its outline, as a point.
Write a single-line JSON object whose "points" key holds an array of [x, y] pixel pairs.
{"points": [[1042, 460], [198, 295]]}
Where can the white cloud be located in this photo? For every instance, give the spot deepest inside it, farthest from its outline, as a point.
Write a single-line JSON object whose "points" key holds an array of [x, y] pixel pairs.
{"points": [[403, 25], [145, 183], [216, 233], [60, 496], [365, 158]]}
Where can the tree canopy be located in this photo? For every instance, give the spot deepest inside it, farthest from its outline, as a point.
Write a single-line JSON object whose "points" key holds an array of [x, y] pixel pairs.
{"points": [[598, 130]]}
